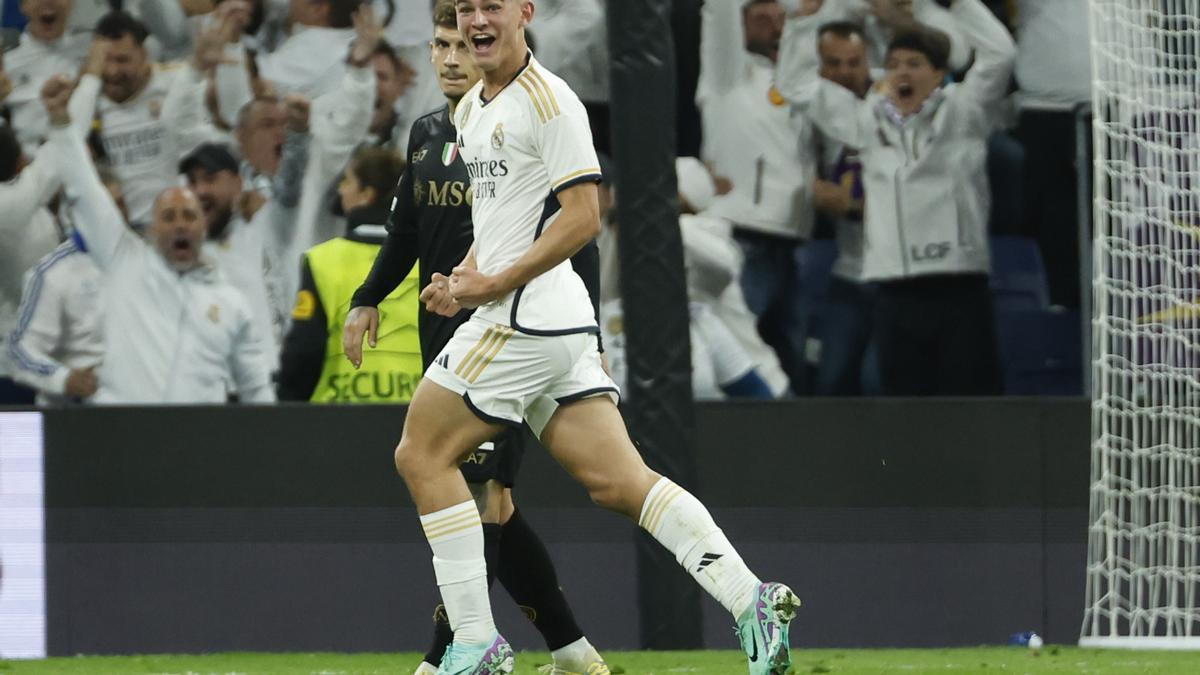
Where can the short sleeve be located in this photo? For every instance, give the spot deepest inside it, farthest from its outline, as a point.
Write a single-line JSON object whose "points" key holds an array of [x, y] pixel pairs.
{"points": [[564, 134]]}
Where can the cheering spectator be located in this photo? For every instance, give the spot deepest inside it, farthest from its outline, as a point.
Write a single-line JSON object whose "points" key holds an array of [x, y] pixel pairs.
{"points": [[261, 131], [241, 249], [57, 345], [29, 231], [312, 60], [338, 123], [392, 78], [148, 117], [753, 138], [45, 49], [838, 194], [923, 148], [314, 364], [721, 366], [175, 330]]}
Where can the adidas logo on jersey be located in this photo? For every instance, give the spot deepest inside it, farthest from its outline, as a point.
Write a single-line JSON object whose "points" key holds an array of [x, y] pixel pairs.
{"points": [[708, 559], [443, 361]]}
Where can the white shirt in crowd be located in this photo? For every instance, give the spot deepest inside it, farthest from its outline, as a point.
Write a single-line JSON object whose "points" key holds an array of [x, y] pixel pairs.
{"points": [[524, 146], [29, 65], [751, 135], [1054, 59], [718, 359], [28, 231], [725, 342], [59, 329], [338, 124], [243, 259], [145, 137], [171, 337], [571, 39], [310, 62], [929, 168], [926, 12]]}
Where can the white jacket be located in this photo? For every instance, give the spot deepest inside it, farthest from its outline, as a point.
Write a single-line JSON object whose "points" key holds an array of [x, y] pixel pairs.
{"points": [[311, 61], [170, 337], [338, 124], [572, 42], [925, 177], [29, 66], [28, 231], [145, 137], [59, 329], [926, 12], [751, 135]]}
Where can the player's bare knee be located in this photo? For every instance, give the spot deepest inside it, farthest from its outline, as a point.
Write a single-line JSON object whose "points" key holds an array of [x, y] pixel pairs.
{"points": [[607, 493], [405, 458]]}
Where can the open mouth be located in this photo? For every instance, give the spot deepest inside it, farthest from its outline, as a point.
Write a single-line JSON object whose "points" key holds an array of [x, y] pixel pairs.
{"points": [[48, 19], [483, 43], [181, 245], [904, 91]]}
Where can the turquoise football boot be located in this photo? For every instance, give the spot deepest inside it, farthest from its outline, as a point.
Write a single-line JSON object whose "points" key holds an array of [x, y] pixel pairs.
{"points": [[763, 629], [485, 658]]}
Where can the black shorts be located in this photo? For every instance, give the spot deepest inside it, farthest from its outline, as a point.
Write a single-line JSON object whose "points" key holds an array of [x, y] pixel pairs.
{"points": [[501, 461]]}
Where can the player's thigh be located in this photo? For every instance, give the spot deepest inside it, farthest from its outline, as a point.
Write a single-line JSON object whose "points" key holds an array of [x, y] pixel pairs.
{"points": [[588, 438], [440, 427]]}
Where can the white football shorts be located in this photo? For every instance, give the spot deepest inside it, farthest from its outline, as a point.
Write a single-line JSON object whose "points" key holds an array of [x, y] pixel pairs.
{"points": [[506, 376]]}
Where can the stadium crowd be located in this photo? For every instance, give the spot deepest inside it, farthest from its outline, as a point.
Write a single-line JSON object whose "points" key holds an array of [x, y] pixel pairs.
{"points": [[193, 189]]}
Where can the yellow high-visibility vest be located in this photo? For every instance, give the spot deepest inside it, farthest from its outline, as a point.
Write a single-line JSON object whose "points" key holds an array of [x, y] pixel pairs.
{"points": [[390, 372]]}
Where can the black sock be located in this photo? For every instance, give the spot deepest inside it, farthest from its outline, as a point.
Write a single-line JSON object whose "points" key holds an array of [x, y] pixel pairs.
{"points": [[528, 575], [491, 549], [442, 635]]}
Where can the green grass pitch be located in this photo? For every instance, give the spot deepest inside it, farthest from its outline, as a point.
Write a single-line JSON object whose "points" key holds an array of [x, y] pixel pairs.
{"points": [[1015, 660]]}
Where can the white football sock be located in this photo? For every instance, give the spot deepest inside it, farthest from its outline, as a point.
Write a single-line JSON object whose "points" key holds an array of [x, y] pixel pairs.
{"points": [[577, 656], [681, 523], [456, 536]]}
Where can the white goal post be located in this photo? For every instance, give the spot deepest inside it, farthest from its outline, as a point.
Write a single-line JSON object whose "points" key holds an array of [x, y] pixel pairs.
{"points": [[1143, 568]]}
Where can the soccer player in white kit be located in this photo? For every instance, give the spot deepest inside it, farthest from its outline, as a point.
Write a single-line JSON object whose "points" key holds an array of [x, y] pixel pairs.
{"points": [[530, 353]]}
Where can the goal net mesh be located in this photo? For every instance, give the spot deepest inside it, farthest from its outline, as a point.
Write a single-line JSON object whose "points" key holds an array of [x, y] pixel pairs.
{"points": [[1143, 570]]}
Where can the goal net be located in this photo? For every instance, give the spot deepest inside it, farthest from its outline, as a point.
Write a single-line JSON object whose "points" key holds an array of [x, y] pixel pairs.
{"points": [[1143, 572]]}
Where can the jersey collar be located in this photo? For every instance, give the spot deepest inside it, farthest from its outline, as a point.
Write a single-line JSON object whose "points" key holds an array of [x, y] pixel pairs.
{"points": [[528, 62]]}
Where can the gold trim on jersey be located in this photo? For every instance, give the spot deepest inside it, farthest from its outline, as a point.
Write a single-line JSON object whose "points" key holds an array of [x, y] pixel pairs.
{"points": [[539, 92], [549, 92], [537, 106], [576, 174]]}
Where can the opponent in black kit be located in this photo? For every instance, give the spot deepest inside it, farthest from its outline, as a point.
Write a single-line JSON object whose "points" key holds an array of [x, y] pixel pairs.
{"points": [[431, 222]]}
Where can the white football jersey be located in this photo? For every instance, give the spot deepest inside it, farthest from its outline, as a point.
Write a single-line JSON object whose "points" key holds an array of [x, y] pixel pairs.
{"points": [[521, 148]]}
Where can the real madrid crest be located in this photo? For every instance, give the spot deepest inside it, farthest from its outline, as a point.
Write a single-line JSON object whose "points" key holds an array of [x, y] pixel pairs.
{"points": [[498, 136], [155, 107], [213, 313]]}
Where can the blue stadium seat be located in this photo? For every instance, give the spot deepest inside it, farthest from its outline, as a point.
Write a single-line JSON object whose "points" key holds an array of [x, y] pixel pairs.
{"points": [[1041, 351], [1018, 275]]}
